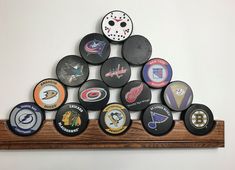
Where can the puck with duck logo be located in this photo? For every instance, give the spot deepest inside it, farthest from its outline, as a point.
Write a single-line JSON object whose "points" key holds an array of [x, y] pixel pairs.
{"points": [[94, 94], [26, 119], [157, 119], [157, 73], [136, 95], [72, 70], [71, 119], [117, 26], [94, 48], [50, 94], [115, 72], [114, 119]]}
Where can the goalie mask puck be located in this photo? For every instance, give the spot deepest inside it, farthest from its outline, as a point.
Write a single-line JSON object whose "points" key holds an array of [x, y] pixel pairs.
{"points": [[26, 119], [71, 119], [114, 119]]}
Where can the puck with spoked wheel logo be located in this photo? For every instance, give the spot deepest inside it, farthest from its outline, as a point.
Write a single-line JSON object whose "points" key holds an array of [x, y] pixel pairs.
{"points": [[26, 119], [94, 94], [50, 94], [114, 119], [72, 70], [71, 119], [157, 119], [198, 119], [136, 95], [157, 73]]}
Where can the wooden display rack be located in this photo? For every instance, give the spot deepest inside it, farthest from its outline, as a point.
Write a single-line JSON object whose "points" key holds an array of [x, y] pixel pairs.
{"points": [[94, 137]]}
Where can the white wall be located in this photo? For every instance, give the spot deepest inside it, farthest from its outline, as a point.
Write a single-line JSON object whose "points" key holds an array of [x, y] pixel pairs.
{"points": [[196, 37]]}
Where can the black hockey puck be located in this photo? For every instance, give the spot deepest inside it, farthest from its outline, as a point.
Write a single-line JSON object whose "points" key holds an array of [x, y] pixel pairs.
{"points": [[26, 119], [115, 72], [50, 94], [117, 26], [72, 70], [94, 48], [137, 50], [199, 119], [157, 119], [178, 96], [71, 119], [114, 119], [94, 94], [157, 73], [136, 95]]}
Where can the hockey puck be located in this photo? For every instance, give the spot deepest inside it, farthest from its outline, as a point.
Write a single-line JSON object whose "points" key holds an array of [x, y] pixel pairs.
{"points": [[26, 119], [137, 50], [94, 48], [72, 70], [94, 94], [115, 72], [71, 119], [157, 119], [199, 119], [157, 73], [136, 95], [50, 94], [178, 96], [117, 26]]}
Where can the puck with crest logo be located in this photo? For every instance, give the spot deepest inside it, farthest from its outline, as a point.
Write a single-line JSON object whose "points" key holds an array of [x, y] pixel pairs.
{"points": [[157, 73], [198, 119], [94, 94], [114, 119], [157, 119], [115, 72], [136, 95], [26, 119], [72, 70], [117, 26], [50, 94], [94, 48], [71, 119]]}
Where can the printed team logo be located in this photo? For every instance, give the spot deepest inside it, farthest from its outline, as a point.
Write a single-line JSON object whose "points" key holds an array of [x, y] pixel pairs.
{"points": [[156, 118], [49, 94], [133, 94], [94, 94], [72, 71], [71, 119], [118, 72], [157, 73], [115, 119], [25, 119], [95, 47], [199, 119]]}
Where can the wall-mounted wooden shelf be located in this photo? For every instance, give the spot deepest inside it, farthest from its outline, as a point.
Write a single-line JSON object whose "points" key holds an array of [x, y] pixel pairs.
{"points": [[94, 137]]}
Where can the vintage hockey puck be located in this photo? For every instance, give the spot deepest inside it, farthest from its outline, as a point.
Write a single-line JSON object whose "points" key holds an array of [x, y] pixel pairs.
{"points": [[71, 119], [136, 50], [94, 94], [72, 70], [50, 94], [178, 95], [94, 48], [157, 73], [114, 119], [136, 95], [115, 72], [199, 119], [157, 119], [117, 26], [26, 119]]}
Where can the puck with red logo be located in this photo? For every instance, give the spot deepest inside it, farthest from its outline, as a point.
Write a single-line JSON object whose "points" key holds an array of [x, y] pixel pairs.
{"points": [[117, 26], [94, 94], [157, 73], [94, 48], [71, 119], [157, 119], [72, 70], [115, 72], [114, 119], [136, 95]]}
